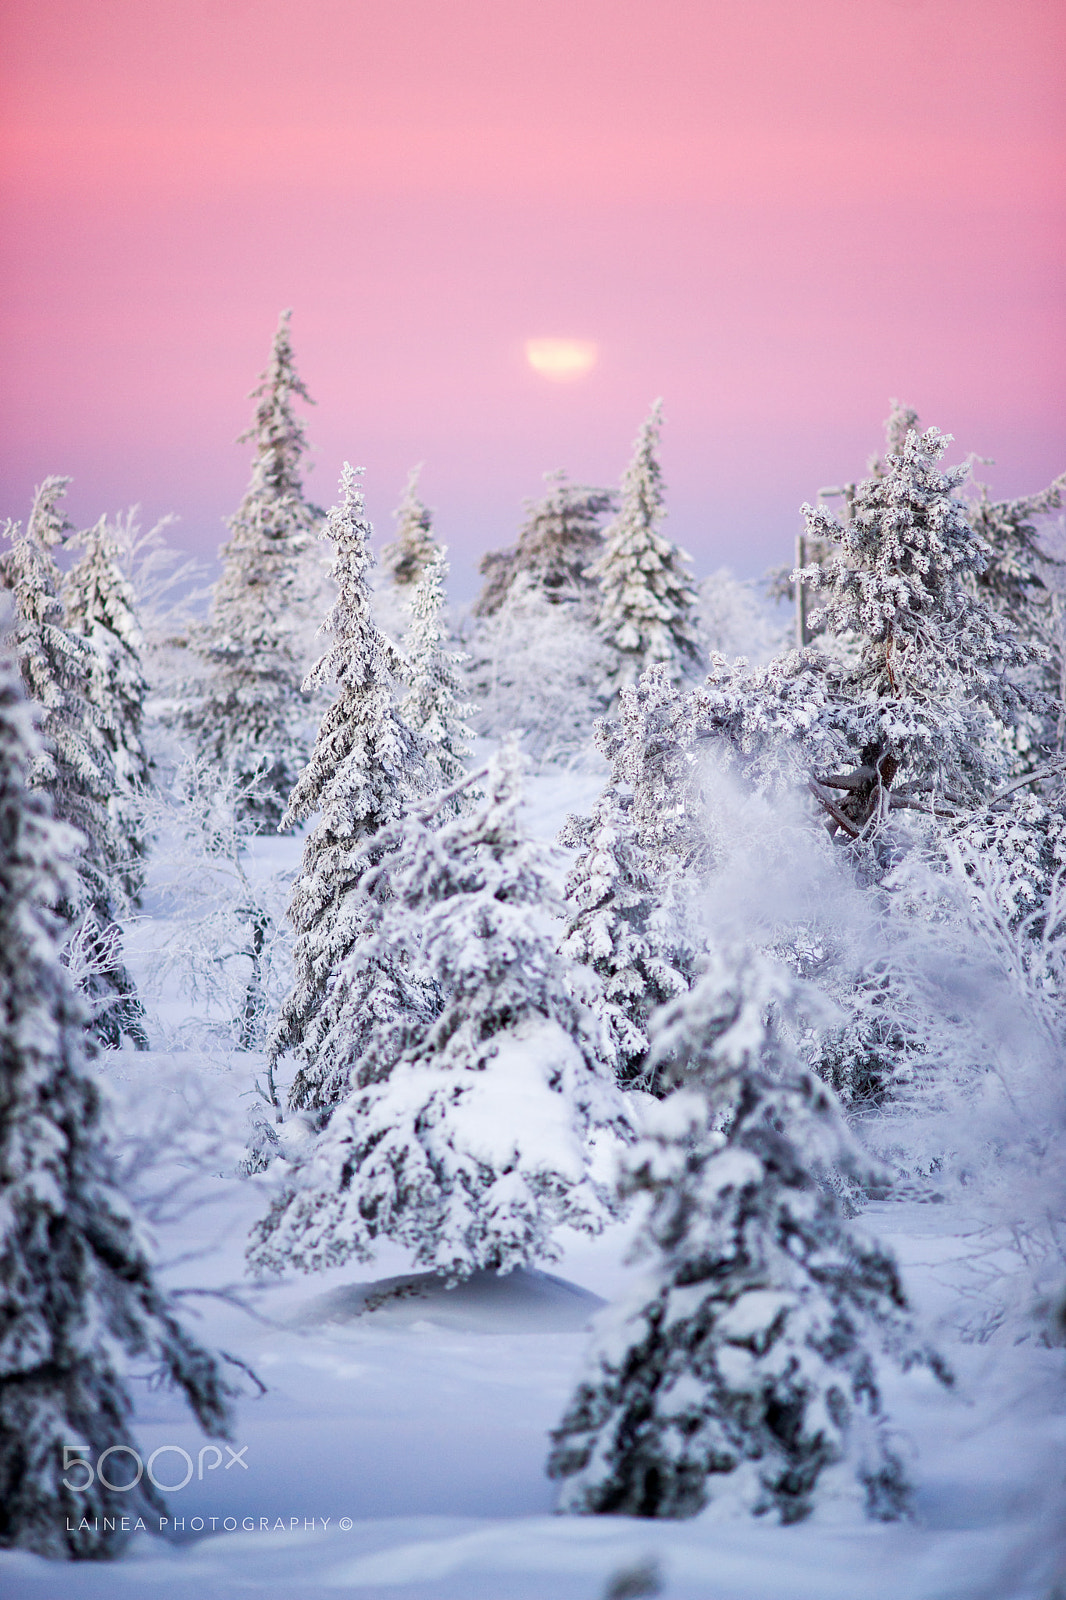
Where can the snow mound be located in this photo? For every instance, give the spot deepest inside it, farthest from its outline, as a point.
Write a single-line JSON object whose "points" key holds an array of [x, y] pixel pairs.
{"points": [[522, 1301]]}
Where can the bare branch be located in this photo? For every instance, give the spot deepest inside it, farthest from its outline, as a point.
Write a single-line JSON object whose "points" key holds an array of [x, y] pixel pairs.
{"points": [[825, 798]]}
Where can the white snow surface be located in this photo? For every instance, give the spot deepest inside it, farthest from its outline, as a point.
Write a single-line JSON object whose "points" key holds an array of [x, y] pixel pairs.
{"points": [[398, 1452]]}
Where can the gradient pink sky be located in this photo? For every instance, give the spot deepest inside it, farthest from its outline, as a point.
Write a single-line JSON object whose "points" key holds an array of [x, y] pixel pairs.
{"points": [[776, 215]]}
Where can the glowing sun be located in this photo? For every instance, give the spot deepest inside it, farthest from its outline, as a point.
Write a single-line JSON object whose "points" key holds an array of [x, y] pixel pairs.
{"points": [[562, 360]]}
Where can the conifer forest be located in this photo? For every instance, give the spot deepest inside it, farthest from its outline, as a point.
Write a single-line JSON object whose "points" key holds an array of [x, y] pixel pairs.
{"points": [[563, 1096]]}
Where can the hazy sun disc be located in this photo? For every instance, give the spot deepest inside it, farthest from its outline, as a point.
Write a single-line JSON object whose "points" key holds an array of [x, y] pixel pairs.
{"points": [[562, 360]]}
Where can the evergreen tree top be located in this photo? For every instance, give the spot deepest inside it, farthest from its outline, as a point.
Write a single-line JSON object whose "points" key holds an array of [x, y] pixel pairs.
{"points": [[349, 532], [901, 421], [278, 433], [97, 590], [252, 712], [54, 662], [557, 542], [642, 482], [927, 663], [406, 557], [647, 599], [365, 759], [29, 568], [434, 707]]}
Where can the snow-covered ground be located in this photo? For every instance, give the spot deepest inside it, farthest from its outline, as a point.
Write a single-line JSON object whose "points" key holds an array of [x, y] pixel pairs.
{"points": [[398, 1450]]}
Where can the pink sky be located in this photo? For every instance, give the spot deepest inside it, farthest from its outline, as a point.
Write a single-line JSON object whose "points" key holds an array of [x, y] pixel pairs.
{"points": [[775, 215]]}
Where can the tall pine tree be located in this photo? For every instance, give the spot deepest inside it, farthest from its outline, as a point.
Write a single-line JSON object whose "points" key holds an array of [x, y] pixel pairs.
{"points": [[407, 556], [99, 605], [77, 1291], [362, 774], [75, 766], [647, 604], [253, 717], [433, 706]]}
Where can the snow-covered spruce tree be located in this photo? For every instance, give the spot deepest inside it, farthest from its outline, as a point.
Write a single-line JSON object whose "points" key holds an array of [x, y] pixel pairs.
{"points": [[55, 665], [559, 540], [641, 855], [365, 768], [1020, 582], [922, 689], [407, 556], [75, 766], [99, 605], [471, 1148], [253, 716], [434, 707], [742, 1373], [76, 1287], [647, 600]]}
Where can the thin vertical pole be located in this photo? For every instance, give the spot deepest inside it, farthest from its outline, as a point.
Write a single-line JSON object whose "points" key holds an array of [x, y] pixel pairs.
{"points": [[802, 639]]}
